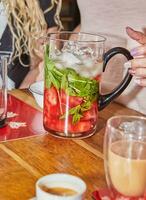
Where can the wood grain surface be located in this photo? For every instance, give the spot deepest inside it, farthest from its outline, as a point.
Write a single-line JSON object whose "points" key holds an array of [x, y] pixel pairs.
{"points": [[23, 161]]}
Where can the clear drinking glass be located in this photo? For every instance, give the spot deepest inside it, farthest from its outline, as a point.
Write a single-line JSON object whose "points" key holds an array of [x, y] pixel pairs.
{"points": [[125, 157], [4, 61], [74, 63]]}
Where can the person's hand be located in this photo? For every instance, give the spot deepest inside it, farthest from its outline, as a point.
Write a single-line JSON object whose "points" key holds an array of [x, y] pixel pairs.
{"points": [[38, 52], [138, 64]]}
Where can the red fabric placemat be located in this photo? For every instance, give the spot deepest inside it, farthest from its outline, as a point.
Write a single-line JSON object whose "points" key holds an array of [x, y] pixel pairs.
{"points": [[23, 121]]}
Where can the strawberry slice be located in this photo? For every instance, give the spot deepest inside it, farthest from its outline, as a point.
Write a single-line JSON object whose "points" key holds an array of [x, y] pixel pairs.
{"points": [[74, 101], [82, 126], [98, 77], [70, 101], [50, 123], [92, 113], [51, 96], [61, 126], [51, 111], [54, 124]]}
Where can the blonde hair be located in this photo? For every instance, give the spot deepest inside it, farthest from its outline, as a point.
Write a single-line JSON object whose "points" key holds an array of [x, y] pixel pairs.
{"points": [[27, 23]]}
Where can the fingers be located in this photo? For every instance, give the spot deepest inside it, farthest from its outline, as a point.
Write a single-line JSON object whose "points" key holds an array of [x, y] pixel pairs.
{"points": [[141, 82], [138, 63], [139, 37], [138, 51], [138, 72], [137, 68], [136, 35], [139, 75]]}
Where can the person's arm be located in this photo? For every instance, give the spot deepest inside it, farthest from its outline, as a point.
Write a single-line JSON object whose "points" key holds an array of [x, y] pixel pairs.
{"points": [[35, 74], [77, 29], [138, 64]]}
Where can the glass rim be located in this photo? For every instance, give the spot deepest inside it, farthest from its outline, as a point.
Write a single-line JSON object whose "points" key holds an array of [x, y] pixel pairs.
{"points": [[62, 177], [124, 117], [102, 38], [31, 89]]}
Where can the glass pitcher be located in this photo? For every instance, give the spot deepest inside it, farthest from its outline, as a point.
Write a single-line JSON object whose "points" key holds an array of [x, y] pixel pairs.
{"points": [[74, 63]]}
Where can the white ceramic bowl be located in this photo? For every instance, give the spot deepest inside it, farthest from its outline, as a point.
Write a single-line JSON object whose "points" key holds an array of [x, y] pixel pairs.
{"points": [[37, 90]]}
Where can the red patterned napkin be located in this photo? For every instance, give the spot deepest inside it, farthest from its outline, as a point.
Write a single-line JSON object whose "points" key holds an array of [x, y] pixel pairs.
{"points": [[23, 121], [104, 194]]}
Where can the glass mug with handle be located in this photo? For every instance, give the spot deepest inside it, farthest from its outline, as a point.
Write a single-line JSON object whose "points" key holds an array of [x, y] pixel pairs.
{"points": [[125, 157], [74, 63]]}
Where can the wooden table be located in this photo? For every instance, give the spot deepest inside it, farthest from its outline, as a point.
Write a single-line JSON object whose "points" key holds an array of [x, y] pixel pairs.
{"points": [[23, 161]]}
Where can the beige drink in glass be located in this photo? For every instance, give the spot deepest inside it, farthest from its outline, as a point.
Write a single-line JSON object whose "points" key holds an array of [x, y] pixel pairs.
{"points": [[128, 176], [125, 156]]}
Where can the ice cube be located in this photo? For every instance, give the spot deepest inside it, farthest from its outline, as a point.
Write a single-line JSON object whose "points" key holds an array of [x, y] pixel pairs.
{"points": [[135, 128], [59, 65], [77, 48], [97, 69], [88, 63], [70, 47], [54, 53], [69, 59], [87, 51], [85, 72]]}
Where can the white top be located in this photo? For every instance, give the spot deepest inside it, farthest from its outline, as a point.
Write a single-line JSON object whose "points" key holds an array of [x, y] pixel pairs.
{"points": [[110, 17]]}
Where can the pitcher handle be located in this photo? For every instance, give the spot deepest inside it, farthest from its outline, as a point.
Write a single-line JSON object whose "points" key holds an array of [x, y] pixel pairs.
{"points": [[105, 99]]}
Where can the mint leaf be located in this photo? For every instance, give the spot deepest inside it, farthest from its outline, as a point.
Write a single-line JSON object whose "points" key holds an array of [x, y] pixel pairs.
{"points": [[54, 81], [76, 118], [64, 82]]}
